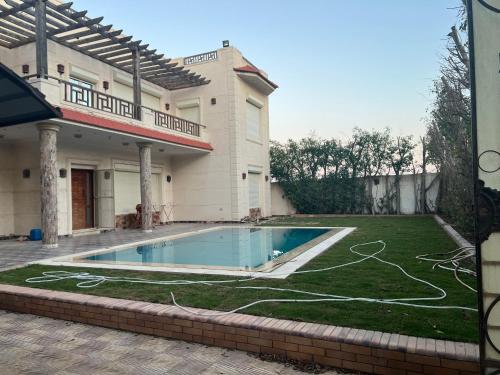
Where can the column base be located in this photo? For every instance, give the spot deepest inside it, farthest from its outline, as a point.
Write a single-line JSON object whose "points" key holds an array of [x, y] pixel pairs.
{"points": [[50, 246]]}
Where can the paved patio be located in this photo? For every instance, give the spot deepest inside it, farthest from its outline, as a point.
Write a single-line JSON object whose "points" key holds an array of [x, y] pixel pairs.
{"points": [[36, 345], [15, 253]]}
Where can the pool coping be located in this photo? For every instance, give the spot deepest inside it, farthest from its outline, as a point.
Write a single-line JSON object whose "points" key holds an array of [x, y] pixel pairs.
{"points": [[342, 347], [279, 272]]}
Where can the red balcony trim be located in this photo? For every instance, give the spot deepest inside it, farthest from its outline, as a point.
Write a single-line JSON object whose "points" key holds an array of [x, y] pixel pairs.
{"points": [[100, 122]]}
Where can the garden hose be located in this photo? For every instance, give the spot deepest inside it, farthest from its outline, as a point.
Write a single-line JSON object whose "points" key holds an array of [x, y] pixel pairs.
{"points": [[88, 280]]}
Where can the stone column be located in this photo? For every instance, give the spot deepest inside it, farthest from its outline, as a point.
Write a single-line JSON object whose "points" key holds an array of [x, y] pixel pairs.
{"points": [[146, 191], [48, 182]]}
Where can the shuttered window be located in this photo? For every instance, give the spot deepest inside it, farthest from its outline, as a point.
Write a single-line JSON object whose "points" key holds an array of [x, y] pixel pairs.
{"points": [[254, 190], [253, 121], [126, 92], [190, 113], [150, 101], [122, 91], [128, 191]]}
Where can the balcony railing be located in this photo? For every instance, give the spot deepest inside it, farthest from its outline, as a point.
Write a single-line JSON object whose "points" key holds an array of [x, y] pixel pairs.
{"points": [[87, 97], [176, 123], [91, 98]]}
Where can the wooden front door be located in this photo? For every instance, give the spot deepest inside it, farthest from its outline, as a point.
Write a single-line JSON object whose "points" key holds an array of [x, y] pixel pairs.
{"points": [[82, 198]]}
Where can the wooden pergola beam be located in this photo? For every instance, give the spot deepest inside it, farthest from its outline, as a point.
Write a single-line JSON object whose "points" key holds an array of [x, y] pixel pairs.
{"points": [[21, 22], [63, 6], [83, 33], [19, 30], [117, 54], [16, 8], [76, 26], [95, 38]]}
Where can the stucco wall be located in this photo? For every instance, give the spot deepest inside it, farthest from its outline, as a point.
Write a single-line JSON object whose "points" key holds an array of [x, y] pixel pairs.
{"points": [[205, 186], [280, 204], [212, 187], [20, 197], [6, 192]]}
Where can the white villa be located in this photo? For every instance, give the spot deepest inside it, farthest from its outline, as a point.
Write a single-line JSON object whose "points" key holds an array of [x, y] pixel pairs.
{"points": [[186, 138]]}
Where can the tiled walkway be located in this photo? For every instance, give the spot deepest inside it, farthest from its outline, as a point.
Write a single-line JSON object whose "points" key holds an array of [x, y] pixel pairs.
{"points": [[14, 253], [36, 345]]}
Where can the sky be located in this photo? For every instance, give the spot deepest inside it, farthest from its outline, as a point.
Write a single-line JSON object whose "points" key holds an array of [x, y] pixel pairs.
{"points": [[339, 64]]}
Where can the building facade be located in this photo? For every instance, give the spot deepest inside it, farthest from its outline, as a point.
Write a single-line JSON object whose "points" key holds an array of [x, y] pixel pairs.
{"points": [[187, 139]]}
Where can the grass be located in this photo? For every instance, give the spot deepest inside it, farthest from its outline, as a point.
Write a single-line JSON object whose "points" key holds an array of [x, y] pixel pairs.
{"points": [[406, 237]]}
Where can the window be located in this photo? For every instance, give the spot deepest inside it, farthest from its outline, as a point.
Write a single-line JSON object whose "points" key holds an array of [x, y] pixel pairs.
{"points": [[189, 109], [80, 92], [128, 191], [150, 101], [126, 92], [190, 114], [254, 190], [253, 121]]}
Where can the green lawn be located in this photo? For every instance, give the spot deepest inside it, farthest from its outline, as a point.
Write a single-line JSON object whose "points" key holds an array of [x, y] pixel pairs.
{"points": [[406, 237]]}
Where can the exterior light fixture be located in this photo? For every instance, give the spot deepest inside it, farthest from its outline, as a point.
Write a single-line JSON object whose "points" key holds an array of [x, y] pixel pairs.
{"points": [[60, 69], [26, 69], [213, 101], [63, 173], [167, 106], [78, 135], [244, 176], [225, 43], [169, 178], [266, 178], [26, 173], [105, 85]]}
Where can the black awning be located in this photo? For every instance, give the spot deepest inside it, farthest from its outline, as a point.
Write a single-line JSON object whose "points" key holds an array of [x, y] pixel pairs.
{"points": [[20, 102]]}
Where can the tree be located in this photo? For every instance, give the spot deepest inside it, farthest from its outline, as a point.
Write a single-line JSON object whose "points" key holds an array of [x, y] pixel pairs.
{"points": [[326, 176], [449, 131], [401, 160], [374, 159]]}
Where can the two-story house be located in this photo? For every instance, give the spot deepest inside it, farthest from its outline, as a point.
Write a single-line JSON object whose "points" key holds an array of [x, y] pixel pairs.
{"points": [[187, 139]]}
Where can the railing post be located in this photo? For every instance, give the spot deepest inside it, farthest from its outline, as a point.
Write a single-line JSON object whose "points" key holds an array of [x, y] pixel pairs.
{"points": [[136, 56], [41, 38]]}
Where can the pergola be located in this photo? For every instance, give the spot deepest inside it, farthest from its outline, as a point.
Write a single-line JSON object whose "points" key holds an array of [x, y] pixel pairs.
{"points": [[28, 21]]}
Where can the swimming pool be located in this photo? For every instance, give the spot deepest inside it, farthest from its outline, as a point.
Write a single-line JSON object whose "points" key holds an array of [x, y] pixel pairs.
{"points": [[231, 248], [224, 250]]}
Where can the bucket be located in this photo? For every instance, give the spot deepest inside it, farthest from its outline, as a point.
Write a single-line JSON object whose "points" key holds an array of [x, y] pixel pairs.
{"points": [[36, 234]]}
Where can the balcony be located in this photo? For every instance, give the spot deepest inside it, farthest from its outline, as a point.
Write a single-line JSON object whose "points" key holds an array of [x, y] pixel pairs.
{"points": [[66, 94]]}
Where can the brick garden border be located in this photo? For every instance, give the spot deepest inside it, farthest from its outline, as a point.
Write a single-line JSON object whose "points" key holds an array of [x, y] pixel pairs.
{"points": [[341, 347]]}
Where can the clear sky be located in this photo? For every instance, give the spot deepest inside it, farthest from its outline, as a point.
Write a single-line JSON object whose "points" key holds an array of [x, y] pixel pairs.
{"points": [[339, 64]]}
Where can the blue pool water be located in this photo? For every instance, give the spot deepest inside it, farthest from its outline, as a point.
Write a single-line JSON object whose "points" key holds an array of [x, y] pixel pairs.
{"points": [[235, 248]]}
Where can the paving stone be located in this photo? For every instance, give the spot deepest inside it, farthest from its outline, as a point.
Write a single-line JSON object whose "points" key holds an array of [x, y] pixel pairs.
{"points": [[78, 349]]}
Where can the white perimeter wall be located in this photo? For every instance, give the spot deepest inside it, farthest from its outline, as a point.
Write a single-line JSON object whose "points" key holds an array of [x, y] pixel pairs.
{"points": [[409, 195], [282, 206]]}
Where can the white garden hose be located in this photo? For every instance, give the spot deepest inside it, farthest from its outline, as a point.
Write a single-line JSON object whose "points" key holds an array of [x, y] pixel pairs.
{"points": [[87, 280], [460, 254]]}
